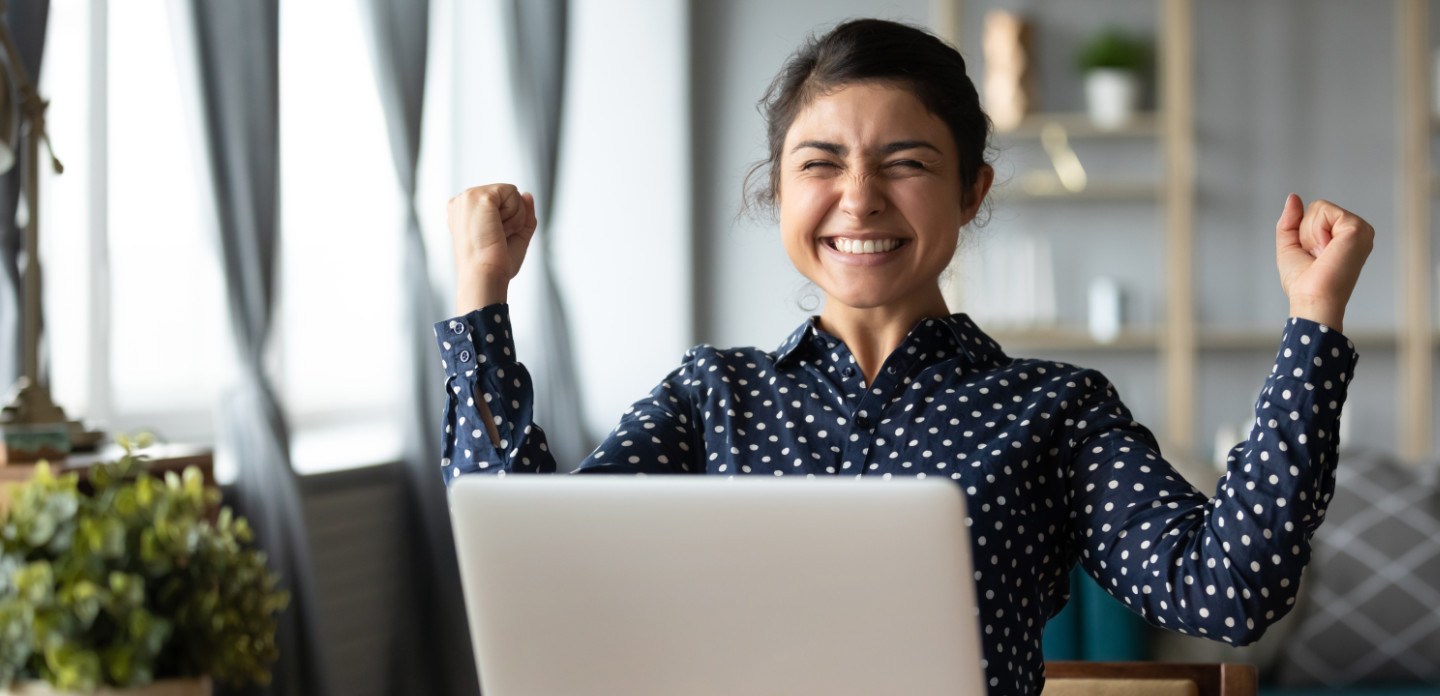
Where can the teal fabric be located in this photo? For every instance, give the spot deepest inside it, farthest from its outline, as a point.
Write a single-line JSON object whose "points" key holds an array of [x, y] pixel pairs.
{"points": [[1109, 632], [1357, 691], [1094, 626], [1062, 631]]}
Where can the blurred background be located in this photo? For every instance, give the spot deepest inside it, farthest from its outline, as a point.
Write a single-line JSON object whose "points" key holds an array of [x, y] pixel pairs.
{"points": [[1141, 245]]}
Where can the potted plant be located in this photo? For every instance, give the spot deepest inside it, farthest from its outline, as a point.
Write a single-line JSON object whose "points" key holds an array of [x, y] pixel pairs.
{"points": [[1112, 63], [137, 587]]}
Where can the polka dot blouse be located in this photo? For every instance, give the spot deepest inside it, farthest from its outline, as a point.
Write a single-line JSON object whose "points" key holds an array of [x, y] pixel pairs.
{"points": [[1055, 469]]}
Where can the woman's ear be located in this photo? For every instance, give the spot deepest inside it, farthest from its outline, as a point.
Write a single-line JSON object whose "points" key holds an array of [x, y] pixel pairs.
{"points": [[984, 177]]}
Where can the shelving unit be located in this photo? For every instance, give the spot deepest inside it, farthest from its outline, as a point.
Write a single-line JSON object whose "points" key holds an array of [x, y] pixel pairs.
{"points": [[1172, 128], [1416, 335], [1177, 340]]}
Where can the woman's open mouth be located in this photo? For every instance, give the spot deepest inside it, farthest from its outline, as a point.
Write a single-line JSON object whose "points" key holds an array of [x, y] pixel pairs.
{"points": [[847, 245]]}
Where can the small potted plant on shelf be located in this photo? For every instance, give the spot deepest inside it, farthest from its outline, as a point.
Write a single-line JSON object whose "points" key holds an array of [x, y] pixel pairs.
{"points": [[1112, 63], [130, 584]]}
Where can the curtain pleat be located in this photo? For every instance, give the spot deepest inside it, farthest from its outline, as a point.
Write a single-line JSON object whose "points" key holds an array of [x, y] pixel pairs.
{"points": [[536, 30], [237, 44], [430, 650]]}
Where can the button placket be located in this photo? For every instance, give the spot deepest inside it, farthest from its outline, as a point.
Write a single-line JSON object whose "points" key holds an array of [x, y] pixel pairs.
{"points": [[868, 414]]}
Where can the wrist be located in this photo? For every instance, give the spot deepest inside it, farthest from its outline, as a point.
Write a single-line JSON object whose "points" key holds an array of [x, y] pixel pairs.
{"points": [[474, 294], [1333, 317]]}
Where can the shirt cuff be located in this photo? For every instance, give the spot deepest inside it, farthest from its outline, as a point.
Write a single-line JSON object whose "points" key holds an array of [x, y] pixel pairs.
{"points": [[481, 338], [1317, 355]]}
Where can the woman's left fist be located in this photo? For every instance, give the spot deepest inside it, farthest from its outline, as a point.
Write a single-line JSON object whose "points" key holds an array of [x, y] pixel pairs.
{"points": [[1319, 251]]}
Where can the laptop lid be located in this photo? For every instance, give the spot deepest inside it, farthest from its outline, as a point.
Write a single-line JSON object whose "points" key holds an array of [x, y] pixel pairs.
{"points": [[665, 585]]}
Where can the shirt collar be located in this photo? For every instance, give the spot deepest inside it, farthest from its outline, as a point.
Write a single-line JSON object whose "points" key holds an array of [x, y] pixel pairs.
{"points": [[978, 347]]}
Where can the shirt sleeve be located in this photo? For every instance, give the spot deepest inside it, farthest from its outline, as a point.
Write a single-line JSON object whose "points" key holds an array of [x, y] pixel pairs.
{"points": [[1228, 566], [477, 352], [656, 434]]}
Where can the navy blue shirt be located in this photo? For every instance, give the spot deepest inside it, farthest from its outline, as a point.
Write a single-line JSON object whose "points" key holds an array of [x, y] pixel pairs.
{"points": [[1054, 468]]}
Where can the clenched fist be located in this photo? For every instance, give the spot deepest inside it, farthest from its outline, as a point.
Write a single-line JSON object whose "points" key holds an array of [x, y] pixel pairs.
{"points": [[1319, 251], [490, 230]]}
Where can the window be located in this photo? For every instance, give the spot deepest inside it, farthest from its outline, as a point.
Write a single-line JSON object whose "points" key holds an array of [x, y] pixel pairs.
{"points": [[135, 299], [341, 336]]}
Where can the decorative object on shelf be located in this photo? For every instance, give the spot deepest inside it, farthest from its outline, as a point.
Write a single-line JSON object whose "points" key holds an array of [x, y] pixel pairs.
{"points": [[1069, 176], [29, 419], [130, 583], [1106, 309], [1112, 63], [1009, 93]]}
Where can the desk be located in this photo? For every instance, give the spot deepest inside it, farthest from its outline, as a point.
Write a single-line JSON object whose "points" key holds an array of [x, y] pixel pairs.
{"points": [[160, 459]]}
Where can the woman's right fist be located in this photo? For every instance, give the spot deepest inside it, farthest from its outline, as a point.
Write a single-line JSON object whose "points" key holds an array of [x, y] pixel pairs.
{"points": [[490, 230]]}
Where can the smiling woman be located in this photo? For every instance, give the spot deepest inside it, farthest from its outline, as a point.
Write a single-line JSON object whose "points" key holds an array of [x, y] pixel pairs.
{"points": [[876, 144]]}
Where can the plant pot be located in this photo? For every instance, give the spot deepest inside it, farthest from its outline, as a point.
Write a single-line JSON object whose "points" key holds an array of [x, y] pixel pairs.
{"points": [[1112, 95], [164, 687]]}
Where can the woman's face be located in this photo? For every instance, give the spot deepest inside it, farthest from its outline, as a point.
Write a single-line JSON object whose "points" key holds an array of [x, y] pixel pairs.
{"points": [[870, 204]]}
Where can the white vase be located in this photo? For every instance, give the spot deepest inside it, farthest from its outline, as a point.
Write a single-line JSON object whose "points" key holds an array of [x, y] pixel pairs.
{"points": [[164, 687], [1112, 95]]}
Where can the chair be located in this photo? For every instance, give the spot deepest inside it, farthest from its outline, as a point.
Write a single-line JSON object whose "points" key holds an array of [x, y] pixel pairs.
{"points": [[1065, 678]]}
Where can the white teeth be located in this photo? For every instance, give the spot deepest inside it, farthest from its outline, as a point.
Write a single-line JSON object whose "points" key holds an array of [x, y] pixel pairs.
{"points": [[867, 246]]}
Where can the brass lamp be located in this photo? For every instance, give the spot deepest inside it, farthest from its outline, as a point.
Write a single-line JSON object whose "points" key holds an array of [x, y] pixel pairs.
{"points": [[31, 424]]}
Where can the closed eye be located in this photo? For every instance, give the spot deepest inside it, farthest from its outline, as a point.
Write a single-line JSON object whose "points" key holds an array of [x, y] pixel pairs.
{"points": [[908, 164], [816, 164]]}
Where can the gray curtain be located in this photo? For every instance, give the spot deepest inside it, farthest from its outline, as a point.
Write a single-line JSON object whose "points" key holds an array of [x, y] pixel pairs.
{"points": [[536, 30], [237, 44], [430, 650], [27, 21]]}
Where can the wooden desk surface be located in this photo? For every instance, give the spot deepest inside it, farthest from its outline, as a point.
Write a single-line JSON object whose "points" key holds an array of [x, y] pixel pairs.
{"points": [[161, 458]]}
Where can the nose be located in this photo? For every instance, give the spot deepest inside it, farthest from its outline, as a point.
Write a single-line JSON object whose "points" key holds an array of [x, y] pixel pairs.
{"points": [[861, 197]]}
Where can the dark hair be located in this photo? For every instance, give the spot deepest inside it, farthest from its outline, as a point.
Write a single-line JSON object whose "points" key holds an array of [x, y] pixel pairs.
{"points": [[873, 50]]}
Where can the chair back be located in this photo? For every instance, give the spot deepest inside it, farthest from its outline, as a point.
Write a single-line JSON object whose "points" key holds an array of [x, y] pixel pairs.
{"points": [[1066, 678]]}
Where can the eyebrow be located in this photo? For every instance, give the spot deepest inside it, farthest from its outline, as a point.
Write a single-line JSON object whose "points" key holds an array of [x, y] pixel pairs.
{"points": [[888, 149]]}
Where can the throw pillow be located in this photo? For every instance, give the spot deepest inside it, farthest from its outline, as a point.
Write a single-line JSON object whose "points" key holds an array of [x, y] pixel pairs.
{"points": [[1373, 611]]}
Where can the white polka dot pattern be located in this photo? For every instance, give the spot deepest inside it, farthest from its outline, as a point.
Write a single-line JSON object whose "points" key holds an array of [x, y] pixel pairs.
{"points": [[1054, 468]]}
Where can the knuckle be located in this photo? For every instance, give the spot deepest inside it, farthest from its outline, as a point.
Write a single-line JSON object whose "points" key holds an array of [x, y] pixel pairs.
{"points": [[485, 195]]}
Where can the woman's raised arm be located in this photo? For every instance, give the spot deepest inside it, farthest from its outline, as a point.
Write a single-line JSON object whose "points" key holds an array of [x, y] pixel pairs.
{"points": [[489, 409], [490, 231]]}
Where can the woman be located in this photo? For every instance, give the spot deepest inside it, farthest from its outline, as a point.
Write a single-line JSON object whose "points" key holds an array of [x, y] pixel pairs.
{"points": [[876, 160]]}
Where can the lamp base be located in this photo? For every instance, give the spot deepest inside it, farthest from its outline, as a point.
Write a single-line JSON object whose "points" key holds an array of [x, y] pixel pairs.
{"points": [[32, 426], [27, 444]]}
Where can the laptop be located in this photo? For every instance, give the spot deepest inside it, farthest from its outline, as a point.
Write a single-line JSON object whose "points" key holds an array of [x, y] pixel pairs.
{"points": [[699, 586]]}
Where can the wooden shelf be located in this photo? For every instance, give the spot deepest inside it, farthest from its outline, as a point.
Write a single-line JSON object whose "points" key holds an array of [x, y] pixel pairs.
{"points": [[1067, 338], [1103, 191], [1145, 124], [1266, 339]]}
